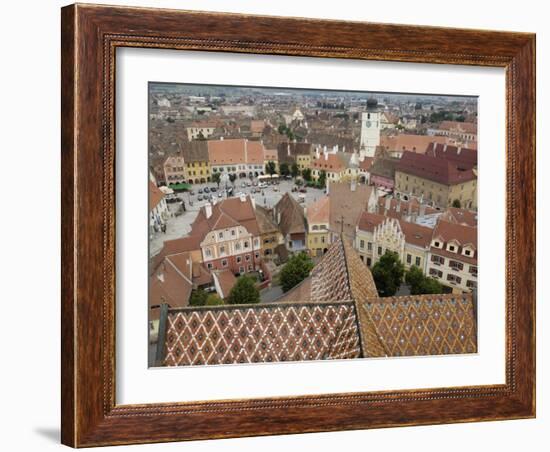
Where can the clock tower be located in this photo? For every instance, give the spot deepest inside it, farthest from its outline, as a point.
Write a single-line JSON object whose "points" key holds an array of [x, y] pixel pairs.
{"points": [[370, 129]]}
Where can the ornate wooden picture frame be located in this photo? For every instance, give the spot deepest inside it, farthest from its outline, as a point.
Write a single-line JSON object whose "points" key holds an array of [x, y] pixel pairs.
{"points": [[90, 37]]}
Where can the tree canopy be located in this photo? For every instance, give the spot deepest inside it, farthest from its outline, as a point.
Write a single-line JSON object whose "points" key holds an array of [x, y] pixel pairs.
{"points": [[322, 179], [420, 283], [388, 274], [306, 174], [216, 178], [244, 291], [213, 300], [198, 297], [284, 169], [270, 168], [295, 271], [294, 170]]}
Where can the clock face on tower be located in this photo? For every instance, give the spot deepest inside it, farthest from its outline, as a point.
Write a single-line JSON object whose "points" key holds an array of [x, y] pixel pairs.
{"points": [[367, 123]]}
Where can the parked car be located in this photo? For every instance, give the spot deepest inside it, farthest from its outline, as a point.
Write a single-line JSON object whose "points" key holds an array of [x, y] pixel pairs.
{"points": [[213, 189], [275, 188], [206, 190], [243, 184], [303, 190], [199, 198], [249, 184], [200, 190], [191, 192]]}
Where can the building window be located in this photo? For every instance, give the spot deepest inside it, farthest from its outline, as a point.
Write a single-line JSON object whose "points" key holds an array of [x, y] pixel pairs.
{"points": [[224, 262], [409, 258], [369, 246], [380, 251], [417, 261], [453, 278], [473, 270], [222, 250], [208, 252], [455, 265], [246, 244], [435, 272], [220, 235], [239, 259], [237, 246], [233, 232], [209, 266], [362, 244], [241, 269], [369, 261], [438, 260], [250, 268], [257, 255], [471, 284], [247, 257]]}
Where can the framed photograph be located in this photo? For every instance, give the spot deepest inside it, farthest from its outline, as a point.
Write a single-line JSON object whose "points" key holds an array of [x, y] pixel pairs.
{"points": [[281, 225]]}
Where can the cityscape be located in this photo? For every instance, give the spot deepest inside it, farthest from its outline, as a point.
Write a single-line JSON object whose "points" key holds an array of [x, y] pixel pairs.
{"points": [[293, 224]]}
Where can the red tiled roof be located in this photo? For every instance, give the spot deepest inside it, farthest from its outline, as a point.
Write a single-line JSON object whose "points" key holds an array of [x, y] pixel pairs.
{"points": [[155, 195], [407, 142], [434, 169], [226, 152], [463, 157], [329, 163], [461, 216], [319, 211], [467, 127], [226, 280]]}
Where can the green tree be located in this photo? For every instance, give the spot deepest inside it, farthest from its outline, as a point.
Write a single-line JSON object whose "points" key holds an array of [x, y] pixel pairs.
{"points": [[388, 274], [281, 129], [322, 179], [244, 292], [232, 177], [216, 178], [284, 169], [270, 168], [306, 174], [456, 203], [198, 297], [294, 170], [295, 271], [420, 283], [213, 300]]}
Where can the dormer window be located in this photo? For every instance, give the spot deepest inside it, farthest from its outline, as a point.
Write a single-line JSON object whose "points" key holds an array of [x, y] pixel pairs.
{"points": [[452, 247], [437, 244], [468, 252]]}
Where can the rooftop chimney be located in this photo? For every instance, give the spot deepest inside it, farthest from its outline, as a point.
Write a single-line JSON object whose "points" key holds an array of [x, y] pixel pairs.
{"points": [[208, 210]]}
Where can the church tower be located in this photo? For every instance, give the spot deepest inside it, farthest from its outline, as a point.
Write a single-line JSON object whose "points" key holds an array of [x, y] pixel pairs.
{"points": [[370, 129]]}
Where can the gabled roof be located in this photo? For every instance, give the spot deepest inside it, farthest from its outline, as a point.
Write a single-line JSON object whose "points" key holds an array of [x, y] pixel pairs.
{"points": [[264, 217], [463, 157], [408, 142], [434, 169], [195, 151], [467, 127], [319, 211], [291, 214], [155, 196], [461, 216], [347, 202], [171, 282], [224, 281]]}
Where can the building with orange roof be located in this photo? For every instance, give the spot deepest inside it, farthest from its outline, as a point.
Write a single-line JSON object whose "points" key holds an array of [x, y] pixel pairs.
{"points": [[452, 258], [463, 132], [376, 234], [435, 181], [240, 157], [174, 169], [396, 145], [318, 226]]}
